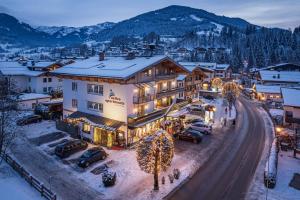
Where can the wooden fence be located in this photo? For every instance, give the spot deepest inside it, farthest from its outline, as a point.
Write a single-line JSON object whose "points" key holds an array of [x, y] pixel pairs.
{"points": [[45, 192]]}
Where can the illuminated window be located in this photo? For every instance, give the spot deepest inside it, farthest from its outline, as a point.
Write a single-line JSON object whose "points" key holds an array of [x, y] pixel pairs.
{"points": [[86, 128]]}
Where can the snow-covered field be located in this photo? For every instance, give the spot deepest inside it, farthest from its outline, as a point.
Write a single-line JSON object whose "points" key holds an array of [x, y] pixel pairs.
{"points": [[13, 187]]}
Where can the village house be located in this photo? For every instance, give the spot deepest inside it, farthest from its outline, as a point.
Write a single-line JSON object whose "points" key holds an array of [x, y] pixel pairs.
{"points": [[283, 78], [268, 92], [291, 106], [31, 76], [117, 100]]}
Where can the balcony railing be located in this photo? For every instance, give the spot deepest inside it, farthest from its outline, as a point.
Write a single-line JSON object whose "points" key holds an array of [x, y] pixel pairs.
{"points": [[142, 99], [169, 92], [165, 76]]}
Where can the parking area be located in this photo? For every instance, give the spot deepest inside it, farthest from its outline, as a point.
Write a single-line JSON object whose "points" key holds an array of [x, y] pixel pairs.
{"points": [[41, 138]]}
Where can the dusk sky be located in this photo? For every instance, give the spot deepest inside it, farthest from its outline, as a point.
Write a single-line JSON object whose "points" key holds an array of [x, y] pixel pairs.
{"points": [[270, 13]]}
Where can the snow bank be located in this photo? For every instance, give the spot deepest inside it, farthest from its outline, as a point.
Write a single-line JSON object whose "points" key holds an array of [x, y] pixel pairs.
{"points": [[13, 187]]}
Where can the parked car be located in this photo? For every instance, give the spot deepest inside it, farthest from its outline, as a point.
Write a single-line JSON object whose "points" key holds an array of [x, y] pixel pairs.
{"points": [[190, 135], [68, 148], [189, 121], [209, 97], [206, 129], [92, 155], [29, 120]]}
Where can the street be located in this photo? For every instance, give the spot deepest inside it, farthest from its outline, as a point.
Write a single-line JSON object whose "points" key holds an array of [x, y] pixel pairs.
{"points": [[228, 173]]}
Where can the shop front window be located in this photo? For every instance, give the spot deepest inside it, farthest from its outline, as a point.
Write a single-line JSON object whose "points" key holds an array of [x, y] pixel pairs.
{"points": [[86, 128]]}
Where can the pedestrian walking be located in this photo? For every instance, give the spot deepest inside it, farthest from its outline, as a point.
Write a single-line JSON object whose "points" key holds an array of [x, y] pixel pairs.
{"points": [[225, 121], [226, 110]]}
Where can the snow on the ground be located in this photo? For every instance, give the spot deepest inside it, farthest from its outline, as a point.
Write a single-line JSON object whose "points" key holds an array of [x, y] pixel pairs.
{"points": [[13, 187], [287, 166], [132, 182], [39, 129]]}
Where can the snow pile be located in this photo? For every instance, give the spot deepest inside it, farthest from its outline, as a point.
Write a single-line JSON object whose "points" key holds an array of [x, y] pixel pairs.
{"points": [[13, 187]]}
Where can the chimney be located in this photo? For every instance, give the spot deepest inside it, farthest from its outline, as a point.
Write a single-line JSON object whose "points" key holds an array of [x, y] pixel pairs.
{"points": [[32, 63], [101, 56], [278, 76], [130, 56]]}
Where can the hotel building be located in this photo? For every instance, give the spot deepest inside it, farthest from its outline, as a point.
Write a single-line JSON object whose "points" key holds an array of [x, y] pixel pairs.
{"points": [[117, 100]]}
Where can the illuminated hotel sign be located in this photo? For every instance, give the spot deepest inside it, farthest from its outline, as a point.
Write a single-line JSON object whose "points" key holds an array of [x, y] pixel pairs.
{"points": [[113, 99]]}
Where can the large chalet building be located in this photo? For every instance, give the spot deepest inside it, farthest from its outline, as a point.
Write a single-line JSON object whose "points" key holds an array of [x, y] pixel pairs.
{"points": [[117, 100]]}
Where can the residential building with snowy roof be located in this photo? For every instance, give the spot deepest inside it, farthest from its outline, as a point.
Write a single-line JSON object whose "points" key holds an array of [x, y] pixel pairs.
{"points": [[268, 92], [117, 100], [291, 106], [283, 78], [31, 77]]}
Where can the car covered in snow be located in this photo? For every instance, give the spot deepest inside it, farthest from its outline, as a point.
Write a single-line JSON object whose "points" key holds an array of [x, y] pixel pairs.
{"points": [[29, 120], [91, 155], [190, 135], [69, 147]]}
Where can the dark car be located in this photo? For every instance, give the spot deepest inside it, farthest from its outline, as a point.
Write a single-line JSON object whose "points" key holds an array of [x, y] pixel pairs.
{"points": [[92, 155], [29, 120], [190, 121], [68, 148], [190, 135]]}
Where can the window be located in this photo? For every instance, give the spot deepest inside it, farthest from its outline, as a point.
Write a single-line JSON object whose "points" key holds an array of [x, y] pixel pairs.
{"points": [[45, 80], [49, 89], [74, 103], [180, 94], [86, 128], [29, 79], [74, 86], [60, 80], [148, 72], [95, 106], [95, 89], [49, 80], [45, 89]]}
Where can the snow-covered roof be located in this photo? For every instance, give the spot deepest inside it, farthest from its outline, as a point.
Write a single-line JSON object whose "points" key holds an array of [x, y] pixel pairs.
{"points": [[291, 97], [267, 89], [181, 77], [111, 67], [16, 69], [32, 96], [43, 64], [222, 66], [280, 76], [192, 65], [204, 65]]}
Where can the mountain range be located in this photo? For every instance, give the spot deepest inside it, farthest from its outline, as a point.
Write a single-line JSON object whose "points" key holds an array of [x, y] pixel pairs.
{"points": [[172, 20]]}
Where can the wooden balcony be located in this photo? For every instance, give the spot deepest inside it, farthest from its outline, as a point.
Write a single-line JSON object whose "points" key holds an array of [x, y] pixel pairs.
{"points": [[168, 92], [143, 99], [165, 76]]}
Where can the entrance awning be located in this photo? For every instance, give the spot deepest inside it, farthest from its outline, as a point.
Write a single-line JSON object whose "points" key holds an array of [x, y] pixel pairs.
{"points": [[102, 122]]}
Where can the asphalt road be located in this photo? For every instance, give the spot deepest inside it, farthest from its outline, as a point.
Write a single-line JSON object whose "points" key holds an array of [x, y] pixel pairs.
{"points": [[228, 174]]}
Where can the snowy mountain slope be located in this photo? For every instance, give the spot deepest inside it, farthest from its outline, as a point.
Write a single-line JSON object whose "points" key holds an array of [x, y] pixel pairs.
{"points": [[60, 31], [172, 20]]}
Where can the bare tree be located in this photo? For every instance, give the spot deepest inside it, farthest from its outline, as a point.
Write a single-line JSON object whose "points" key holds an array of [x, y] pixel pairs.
{"points": [[8, 106]]}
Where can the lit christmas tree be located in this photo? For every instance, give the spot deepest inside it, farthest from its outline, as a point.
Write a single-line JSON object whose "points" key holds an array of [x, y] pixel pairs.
{"points": [[155, 153], [216, 83], [230, 92]]}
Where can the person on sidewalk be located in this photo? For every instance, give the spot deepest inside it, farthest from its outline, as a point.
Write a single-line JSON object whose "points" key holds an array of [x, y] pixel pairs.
{"points": [[225, 121]]}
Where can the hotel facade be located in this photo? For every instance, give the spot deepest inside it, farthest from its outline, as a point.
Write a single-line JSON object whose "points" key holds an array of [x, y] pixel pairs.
{"points": [[117, 100]]}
